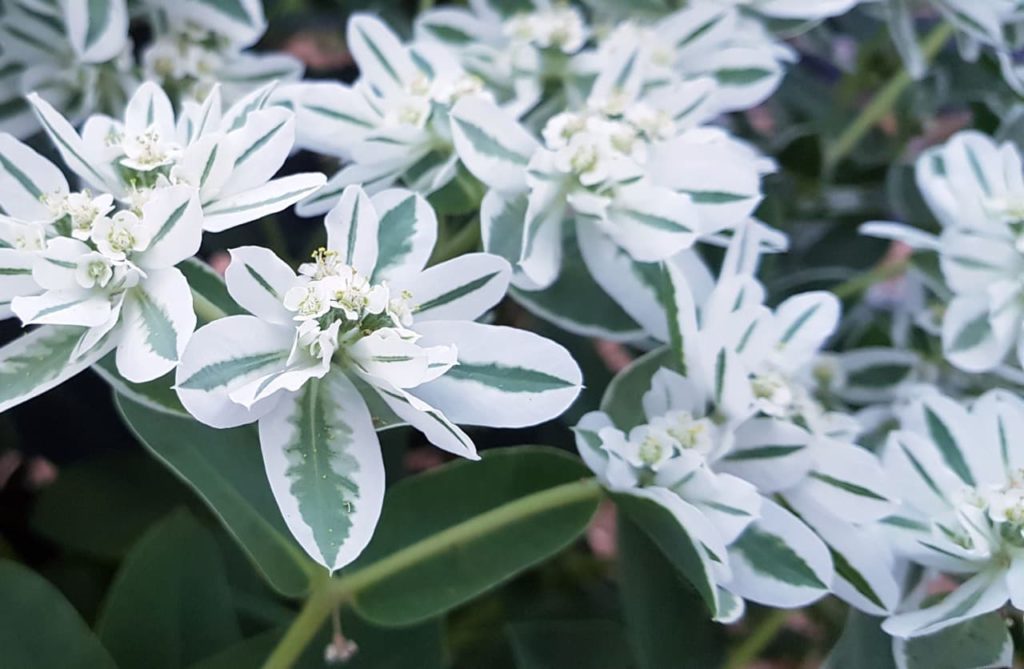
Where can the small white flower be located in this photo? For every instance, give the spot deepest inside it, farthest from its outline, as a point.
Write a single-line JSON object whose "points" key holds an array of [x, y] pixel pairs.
{"points": [[94, 270], [308, 301], [148, 150], [120, 235], [85, 210]]}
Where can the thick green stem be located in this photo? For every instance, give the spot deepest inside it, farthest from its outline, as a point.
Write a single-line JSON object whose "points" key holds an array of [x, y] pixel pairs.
{"points": [[335, 592], [206, 310], [752, 647], [859, 284], [884, 101]]}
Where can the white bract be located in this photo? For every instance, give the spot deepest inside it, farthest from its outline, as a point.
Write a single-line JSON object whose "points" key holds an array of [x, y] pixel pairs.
{"points": [[634, 175], [961, 474], [519, 52], [681, 458], [365, 336], [228, 157], [95, 272], [975, 188], [749, 360], [76, 54], [390, 126]]}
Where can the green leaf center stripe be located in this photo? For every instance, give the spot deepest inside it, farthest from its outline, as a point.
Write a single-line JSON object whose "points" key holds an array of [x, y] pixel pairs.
{"points": [[259, 143], [448, 34], [171, 221], [973, 334], [223, 372], [66, 264], [623, 77], [919, 468], [392, 358], [353, 231], [764, 452], [488, 145], [436, 416], [15, 271], [654, 221], [725, 508], [456, 293], [947, 445], [325, 497], [741, 76], [160, 333], [769, 555], [397, 230], [851, 575], [231, 8], [258, 278], [213, 211], [879, 376], [719, 376], [42, 360], [979, 173], [70, 149], [849, 487], [715, 196], [57, 307], [381, 58], [905, 523], [210, 160], [21, 178], [507, 379], [799, 323], [701, 30], [338, 116]]}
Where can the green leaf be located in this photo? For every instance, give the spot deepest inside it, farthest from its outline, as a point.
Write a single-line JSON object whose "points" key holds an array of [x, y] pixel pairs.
{"points": [[674, 542], [169, 604], [40, 360], [594, 644], [225, 469], [669, 626], [102, 505], [862, 645], [39, 629], [979, 643], [624, 396], [418, 508]]}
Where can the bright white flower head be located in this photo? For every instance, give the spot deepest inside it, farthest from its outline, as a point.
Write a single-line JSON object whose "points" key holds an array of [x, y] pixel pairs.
{"points": [[558, 27], [961, 477], [365, 325]]}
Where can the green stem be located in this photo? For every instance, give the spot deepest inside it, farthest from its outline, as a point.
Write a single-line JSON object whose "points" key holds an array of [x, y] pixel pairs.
{"points": [[335, 592], [467, 239], [206, 310], [752, 647], [859, 284], [884, 101]]}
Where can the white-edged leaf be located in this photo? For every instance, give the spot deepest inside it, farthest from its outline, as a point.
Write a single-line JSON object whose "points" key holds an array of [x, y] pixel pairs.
{"points": [[97, 31], [325, 468], [505, 377], [258, 280], [157, 321], [406, 234], [462, 288], [25, 178], [270, 198], [71, 147], [491, 144], [352, 230]]}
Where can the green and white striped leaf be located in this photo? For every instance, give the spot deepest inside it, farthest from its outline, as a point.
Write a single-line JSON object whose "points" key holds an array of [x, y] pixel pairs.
{"points": [[157, 321], [25, 177], [40, 360], [383, 60], [325, 468], [463, 288], [15, 277], [491, 144], [223, 356], [353, 229], [96, 29], [772, 454], [260, 147], [330, 116], [778, 561], [72, 149], [406, 234], [981, 643], [873, 374], [505, 377], [266, 199], [240, 20], [258, 280]]}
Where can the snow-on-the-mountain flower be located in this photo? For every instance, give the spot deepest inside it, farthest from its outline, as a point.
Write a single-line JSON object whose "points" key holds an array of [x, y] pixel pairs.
{"points": [[365, 324], [229, 157], [93, 272], [392, 125], [197, 45], [682, 456], [961, 475], [748, 360], [77, 55], [703, 39], [520, 52], [975, 188], [634, 175]]}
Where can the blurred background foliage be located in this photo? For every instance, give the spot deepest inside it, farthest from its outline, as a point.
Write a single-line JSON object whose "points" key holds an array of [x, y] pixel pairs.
{"points": [[108, 559]]}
